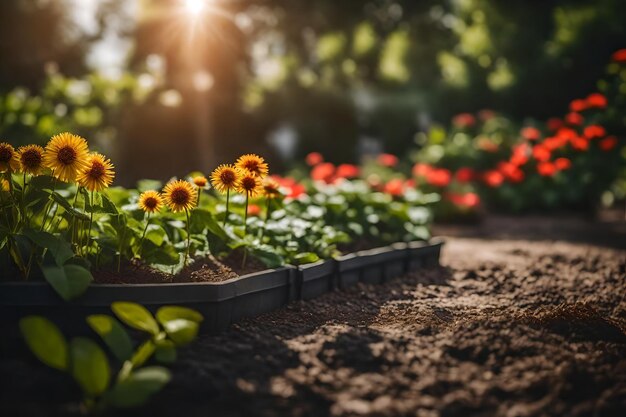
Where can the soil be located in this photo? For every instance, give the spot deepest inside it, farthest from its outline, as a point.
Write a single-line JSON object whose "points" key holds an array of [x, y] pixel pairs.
{"points": [[207, 269], [526, 317]]}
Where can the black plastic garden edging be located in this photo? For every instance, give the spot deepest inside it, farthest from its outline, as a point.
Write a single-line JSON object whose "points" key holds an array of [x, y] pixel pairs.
{"points": [[221, 303]]}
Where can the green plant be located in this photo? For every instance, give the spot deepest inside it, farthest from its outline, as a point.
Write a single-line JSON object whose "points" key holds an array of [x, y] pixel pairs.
{"points": [[83, 358]]}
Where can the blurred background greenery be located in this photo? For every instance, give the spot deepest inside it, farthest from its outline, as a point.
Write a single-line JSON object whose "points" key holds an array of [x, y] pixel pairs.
{"points": [[167, 86]]}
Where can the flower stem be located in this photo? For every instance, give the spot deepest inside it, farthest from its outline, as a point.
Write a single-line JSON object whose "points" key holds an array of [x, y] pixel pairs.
{"points": [[90, 223], [143, 236], [227, 199], [188, 239], [245, 216]]}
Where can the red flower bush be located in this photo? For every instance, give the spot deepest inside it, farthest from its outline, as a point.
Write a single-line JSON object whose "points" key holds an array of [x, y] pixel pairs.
{"points": [[608, 143], [467, 200], [394, 187], [531, 133], [578, 105], [439, 177], [314, 158], [562, 164], [574, 119], [464, 120], [493, 178], [347, 171], [323, 172], [619, 56], [464, 175], [546, 169], [597, 100], [541, 153], [594, 131]]}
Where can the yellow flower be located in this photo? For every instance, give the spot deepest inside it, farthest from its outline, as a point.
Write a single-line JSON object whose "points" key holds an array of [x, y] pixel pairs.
{"points": [[271, 189], [180, 195], [66, 155], [200, 181], [8, 158], [31, 159], [98, 173], [150, 201], [249, 184], [224, 178], [253, 164]]}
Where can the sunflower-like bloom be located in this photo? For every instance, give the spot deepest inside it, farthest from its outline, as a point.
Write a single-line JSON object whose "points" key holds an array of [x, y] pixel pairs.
{"points": [[249, 184], [66, 155], [8, 158], [31, 159], [225, 177], [200, 181], [271, 189], [180, 195], [98, 173], [253, 164], [150, 201]]}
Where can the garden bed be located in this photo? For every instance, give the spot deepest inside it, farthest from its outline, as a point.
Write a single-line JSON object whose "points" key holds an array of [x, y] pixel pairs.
{"points": [[222, 303]]}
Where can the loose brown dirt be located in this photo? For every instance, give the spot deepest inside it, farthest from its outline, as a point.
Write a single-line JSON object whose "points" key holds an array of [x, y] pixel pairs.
{"points": [[526, 317]]}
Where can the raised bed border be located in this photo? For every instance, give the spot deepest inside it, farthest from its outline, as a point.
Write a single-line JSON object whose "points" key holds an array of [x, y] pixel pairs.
{"points": [[229, 301]]}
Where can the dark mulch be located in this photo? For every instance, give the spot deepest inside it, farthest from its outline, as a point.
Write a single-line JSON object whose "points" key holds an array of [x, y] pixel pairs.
{"points": [[515, 323]]}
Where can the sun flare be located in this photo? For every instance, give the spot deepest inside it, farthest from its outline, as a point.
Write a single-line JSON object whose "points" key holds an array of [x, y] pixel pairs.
{"points": [[194, 6]]}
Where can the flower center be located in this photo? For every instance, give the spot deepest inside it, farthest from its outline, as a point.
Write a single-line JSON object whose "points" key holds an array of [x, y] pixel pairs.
{"points": [[252, 166], [227, 177], [96, 171], [5, 155], [150, 203], [180, 196], [66, 155], [248, 183], [31, 159]]}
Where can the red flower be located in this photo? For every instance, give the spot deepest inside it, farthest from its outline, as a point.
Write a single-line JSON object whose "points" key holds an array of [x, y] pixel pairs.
{"points": [[410, 183], [562, 164], [520, 154], [580, 143], [511, 172], [574, 119], [296, 191], [291, 188], [566, 133], [531, 133], [493, 178], [619, 56], [314, 158], [596, 100], [594, 131], [486, 114], [578, 105], [464, 174], [395, 187], [421, 170], [608, 143], [323, 172], [541, 153], [439, 177], [347, 171], [554, 123], [546, 169], [387, 160], [464, 120], [467, 200], [254, 210]]}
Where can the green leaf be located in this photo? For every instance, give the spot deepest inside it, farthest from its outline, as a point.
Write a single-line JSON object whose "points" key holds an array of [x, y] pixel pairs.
{"points": [[165, 351], [168, 313], [268, 256], [135, 316], [90, 366], [155, 234], [305, 258], [60, 249], [113, 334], [46, 341], [181, 331], [68, 281], [68, 207], [138, 387]]}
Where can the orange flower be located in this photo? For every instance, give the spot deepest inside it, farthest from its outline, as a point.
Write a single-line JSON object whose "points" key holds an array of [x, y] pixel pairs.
{"points": [[493, 178], [574, 119], [596, 100], [580, 143], [520, 154], [546, 169], [421, 170], [347, 171], [562, 164], [619, 56], [387, 160], [394, 187], [314, 158], [254, 210], [594, 131], [531, 133], [323, 172], [464, 174], [578, 105], [541, 153], [439, 177]]}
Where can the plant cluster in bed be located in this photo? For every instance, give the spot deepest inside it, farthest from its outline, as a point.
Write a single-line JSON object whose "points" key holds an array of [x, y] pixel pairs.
{"points": [[60, 219]]}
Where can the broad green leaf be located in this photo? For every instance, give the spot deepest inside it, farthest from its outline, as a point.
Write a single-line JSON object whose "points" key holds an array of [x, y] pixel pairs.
{"points": [[68, 207], [135, 316], [155, 234], [113, 334], [60, 249], [268, 256], [68, 281], [305, 258], [181, 331], [168, 313], [90, 366], [46, 341], [138, 387]]}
